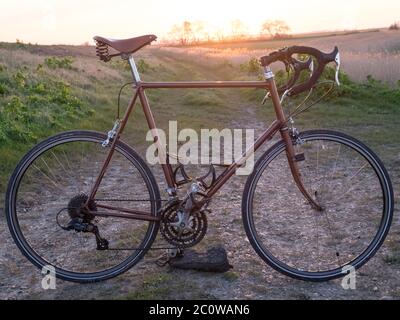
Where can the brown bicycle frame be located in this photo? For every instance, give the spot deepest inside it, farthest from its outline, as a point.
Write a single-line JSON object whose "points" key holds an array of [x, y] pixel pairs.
{"points": [[280, 124]]}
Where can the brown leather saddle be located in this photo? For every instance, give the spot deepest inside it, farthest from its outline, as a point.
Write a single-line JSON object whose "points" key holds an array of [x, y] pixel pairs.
{"points": [[124, 46]]}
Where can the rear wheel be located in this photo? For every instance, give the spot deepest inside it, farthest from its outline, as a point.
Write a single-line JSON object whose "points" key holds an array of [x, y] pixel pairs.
{"points": [[53, 181], [344, 177]]}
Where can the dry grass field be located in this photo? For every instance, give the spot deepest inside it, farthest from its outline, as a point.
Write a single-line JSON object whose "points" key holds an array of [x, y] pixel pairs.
{"points": [[375, 52]]}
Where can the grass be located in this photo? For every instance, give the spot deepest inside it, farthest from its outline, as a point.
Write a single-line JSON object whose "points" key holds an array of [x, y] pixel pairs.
{"points": [[393, 256], [230, 276], [153, 286], [41, 94], [163, 286], [202, 99], [34, 104], [392, 259]]}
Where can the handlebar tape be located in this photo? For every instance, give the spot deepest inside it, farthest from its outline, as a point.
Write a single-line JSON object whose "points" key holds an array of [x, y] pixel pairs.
{"points": [[298, 67], [285, 55]]}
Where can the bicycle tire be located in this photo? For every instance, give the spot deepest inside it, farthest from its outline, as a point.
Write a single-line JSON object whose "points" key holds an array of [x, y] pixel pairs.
{"points": [[387, 214], [18, 236]]}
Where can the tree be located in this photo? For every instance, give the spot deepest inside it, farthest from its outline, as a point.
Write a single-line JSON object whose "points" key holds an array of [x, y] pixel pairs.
{"points": [[199, 31], [182, 33], [274, 28], [239, 29], [219, 35], [187, 32], [395, 26]]}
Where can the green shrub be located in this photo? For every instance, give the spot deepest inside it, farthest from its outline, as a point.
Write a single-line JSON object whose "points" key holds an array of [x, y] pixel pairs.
{"points": [[252, 66], [15, 118], [59, 63], [29, 107], [143, 66], [39, 88], [20, 79], [3, 89]]}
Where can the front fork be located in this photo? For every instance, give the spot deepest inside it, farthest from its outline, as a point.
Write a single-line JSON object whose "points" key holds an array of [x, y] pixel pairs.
{"points": [[294, 167], [285, 134]]}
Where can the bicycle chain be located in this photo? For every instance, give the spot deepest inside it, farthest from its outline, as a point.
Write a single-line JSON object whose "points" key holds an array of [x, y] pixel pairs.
{"points": [[131, 200]]}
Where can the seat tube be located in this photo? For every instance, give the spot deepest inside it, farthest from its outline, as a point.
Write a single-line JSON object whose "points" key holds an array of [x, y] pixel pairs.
{"points": [[162, 153]]}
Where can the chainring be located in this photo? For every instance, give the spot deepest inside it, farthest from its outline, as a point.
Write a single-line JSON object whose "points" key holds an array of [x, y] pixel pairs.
{"points": [[183, 238]]}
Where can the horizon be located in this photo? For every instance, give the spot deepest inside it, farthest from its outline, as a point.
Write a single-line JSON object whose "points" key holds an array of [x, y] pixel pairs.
{"points": [[75, 22]]}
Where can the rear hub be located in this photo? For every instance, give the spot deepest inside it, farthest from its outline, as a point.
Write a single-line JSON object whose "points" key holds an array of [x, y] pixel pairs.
{"points": [[81, 218], [77, 208]]}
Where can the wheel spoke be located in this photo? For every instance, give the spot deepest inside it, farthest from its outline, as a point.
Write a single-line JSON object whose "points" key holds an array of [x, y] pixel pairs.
{"points": [[55, 179], [299, 240]]}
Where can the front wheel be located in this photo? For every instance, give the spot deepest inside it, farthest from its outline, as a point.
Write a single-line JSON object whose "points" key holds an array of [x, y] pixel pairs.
{"points": [[346, 179], [50, 186]]}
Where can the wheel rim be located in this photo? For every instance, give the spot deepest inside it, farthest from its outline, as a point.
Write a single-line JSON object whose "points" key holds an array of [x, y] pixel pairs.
{"points": [[291, 237]]}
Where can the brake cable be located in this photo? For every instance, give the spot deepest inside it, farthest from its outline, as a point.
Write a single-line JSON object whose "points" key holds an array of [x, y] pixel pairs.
{"points": [[119, 96], [296, 110]]}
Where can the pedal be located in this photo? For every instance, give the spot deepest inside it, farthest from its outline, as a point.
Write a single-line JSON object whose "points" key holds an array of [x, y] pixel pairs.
{"points": [[169, 254], [172, 253], [299, 157], [162, 260]]}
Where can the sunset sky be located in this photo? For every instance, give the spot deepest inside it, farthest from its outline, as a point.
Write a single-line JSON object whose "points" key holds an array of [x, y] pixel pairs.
{"points": [[76, 21]]}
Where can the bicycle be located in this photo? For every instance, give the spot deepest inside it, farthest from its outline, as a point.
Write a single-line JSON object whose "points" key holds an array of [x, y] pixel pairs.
{"points": [[338, 198]]}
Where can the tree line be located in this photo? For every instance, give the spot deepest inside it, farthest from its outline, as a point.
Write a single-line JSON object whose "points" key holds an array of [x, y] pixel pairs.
{"points": [[188, 32]]}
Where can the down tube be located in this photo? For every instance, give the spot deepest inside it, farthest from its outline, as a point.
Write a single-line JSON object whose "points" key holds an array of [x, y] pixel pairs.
{"points": [[230, 171]]}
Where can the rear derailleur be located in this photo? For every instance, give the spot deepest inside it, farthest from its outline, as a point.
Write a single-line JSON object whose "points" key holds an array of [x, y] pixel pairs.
{"points": [[81, 219], [79, 225]]}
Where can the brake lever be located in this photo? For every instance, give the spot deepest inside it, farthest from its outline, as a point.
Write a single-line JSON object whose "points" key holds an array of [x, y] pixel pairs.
{"points": [[297, 66], [311, 67], [337, 61]]}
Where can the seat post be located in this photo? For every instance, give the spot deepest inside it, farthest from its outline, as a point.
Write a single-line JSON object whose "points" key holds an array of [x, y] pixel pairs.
{"points": [[134, 70]]}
